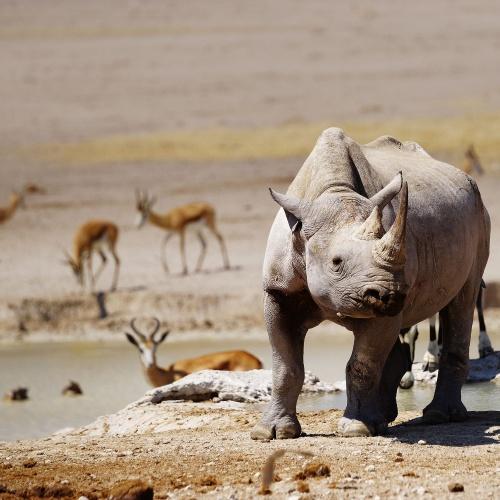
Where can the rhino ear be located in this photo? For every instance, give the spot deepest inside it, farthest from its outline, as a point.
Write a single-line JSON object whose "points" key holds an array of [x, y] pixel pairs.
{"points": [[295, 209], [386, 194]]}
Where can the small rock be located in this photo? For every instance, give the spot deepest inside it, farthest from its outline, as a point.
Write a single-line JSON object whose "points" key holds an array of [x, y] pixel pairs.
{"points": [[420, 491], [64, 481], [421, 441], [455, 487], [72, 389], [370, 468], [302, 487]]}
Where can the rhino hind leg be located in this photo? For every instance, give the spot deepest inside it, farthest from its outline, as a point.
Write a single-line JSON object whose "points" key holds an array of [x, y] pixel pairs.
{"points": [[284, 320], [456, 319]]}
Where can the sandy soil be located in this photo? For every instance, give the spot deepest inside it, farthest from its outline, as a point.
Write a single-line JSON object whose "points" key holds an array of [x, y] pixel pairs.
{"points": [[208, 452], [94, 68]]}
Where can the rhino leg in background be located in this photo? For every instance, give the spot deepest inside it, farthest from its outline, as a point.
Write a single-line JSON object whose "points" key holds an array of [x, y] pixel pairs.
{"points": [[456, 318], [395, 366], [286, 327], [484, 347], [408, 339], [374, 347]]}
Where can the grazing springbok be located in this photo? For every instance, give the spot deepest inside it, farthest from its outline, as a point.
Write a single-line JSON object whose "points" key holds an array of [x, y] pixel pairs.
{"points": [[16, 200], [194, 216], [430, 359], [472, 163], [94, 235], [238, 361]]}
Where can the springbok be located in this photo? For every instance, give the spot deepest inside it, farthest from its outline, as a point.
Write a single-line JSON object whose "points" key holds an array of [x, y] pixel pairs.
{"points": [[156, 376], [472, 163], [430, 359], [176, 221], [16, 200], [94, 235]]}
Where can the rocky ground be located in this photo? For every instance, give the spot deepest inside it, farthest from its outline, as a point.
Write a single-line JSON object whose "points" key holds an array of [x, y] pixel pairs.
{"points": [[190, 450]]}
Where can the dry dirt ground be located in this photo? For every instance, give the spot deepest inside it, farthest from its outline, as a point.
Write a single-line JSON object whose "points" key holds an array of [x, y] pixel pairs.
{"points": [[208, 452]]}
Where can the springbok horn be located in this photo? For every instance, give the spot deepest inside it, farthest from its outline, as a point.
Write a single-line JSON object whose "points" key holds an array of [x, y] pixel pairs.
{"points": [[155, 328], [136, 331], [390, 249]]}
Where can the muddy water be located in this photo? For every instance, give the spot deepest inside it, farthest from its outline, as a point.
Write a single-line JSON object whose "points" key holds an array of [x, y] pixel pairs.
{"points": [[110, 376]]}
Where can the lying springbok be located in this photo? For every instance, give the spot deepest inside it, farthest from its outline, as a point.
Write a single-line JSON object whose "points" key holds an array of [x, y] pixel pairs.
{"points": [[16, 200], [238, 361], [94, 235], [430, 359], [471, 163], [191, 216]]}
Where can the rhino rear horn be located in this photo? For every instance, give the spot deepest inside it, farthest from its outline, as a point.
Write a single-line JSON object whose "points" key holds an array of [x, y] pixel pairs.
{"points": [[386, 194], [372, 228], [295, 208], [391, 249]]}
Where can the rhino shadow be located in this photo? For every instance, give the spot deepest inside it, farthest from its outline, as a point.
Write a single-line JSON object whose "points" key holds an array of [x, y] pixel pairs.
{"points": [[481, 428]]}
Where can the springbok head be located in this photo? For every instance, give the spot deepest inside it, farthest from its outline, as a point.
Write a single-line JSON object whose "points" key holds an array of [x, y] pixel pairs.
{"points": [[17, 199], [143, 205], [472, 161], [147, 344], [75, 266]]}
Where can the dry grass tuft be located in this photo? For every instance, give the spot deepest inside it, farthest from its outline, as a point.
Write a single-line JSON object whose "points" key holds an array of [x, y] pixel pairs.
{"points": [[268, 469]]}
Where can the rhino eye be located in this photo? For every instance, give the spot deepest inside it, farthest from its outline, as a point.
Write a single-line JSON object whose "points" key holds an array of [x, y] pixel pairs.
{"points": [[336, 261]]}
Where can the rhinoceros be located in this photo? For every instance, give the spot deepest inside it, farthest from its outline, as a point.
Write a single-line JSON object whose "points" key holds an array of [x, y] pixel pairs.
{"points": [[376, 238]]}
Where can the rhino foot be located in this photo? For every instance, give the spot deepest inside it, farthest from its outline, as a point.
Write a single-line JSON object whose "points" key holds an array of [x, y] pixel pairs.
{"points": [[407, 381], [287, 427], [440, 414], [486, 351], [349, 427]]}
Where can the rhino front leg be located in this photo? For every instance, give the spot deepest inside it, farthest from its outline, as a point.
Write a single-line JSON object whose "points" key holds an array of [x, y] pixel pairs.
{"points": [[456, 318], [373, 373], [286, 329]]}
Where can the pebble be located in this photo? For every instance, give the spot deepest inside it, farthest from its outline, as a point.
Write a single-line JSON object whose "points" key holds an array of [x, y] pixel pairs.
{"points": [[64, 481], [421, 441], [370, 468], [455, 487], [420, 491]]}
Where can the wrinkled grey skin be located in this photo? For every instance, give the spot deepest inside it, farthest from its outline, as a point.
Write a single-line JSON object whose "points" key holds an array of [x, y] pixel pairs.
{"points": [[330, 257]]}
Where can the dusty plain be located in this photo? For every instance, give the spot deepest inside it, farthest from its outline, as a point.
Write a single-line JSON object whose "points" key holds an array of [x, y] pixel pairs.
{"points": [[216, 102]]}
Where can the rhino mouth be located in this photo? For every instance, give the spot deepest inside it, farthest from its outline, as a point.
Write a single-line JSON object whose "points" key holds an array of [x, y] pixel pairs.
{"points": [[384, 303]]}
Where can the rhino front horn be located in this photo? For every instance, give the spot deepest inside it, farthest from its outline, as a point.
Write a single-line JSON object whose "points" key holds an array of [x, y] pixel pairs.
{"points": [[390, 250]]}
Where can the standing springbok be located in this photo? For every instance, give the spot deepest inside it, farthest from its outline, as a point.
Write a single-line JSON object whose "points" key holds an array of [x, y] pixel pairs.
{"points": [[16, 200], [472, 163], [431, 357], [237, 361], [176, 221], [94, 235]]}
